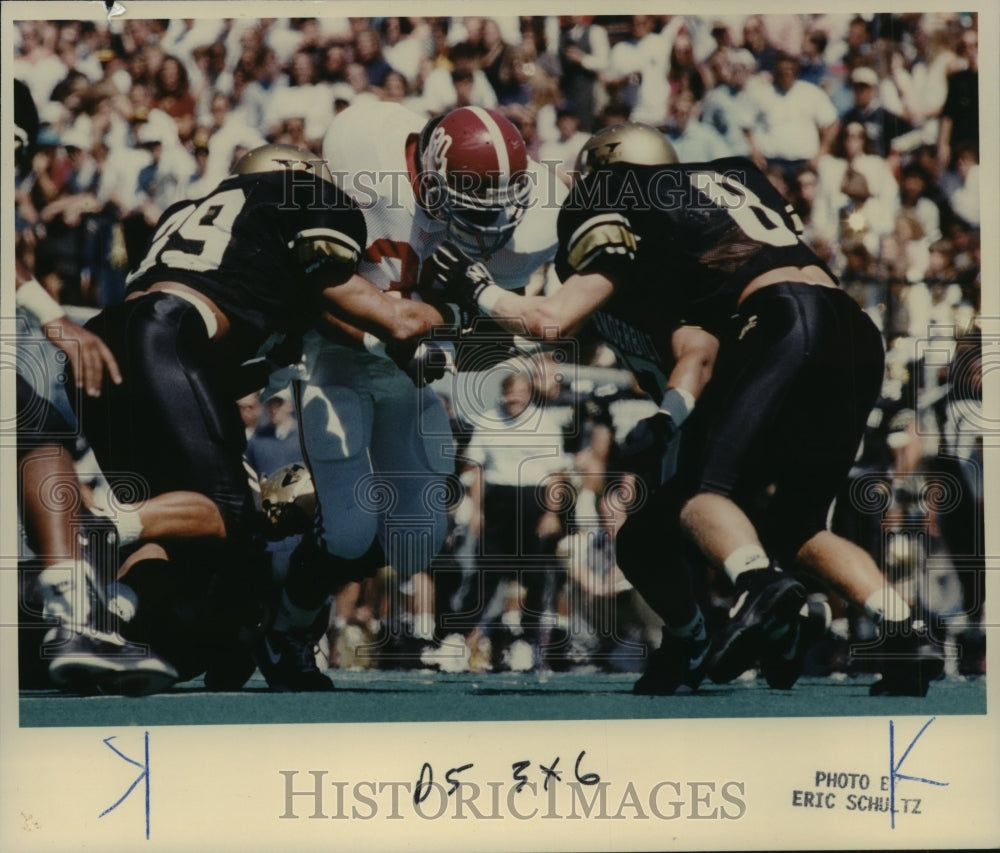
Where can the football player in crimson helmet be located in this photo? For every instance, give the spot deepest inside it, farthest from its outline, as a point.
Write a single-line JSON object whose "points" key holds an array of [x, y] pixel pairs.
{"points": [[474, 176], [464, 176]]}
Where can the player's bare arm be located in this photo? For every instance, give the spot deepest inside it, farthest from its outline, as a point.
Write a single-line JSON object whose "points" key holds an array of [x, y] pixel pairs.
{"points": [[558, 315], [88, 355], [694, 356], [357, 306]]}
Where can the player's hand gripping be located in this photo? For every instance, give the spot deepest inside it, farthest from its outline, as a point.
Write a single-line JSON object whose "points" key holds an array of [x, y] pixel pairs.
{"points": [[463, 278], [423, 362]]}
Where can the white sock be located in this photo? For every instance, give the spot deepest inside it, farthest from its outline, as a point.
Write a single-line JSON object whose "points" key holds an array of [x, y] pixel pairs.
{"points": [[511, 619], [745, 559], [841, 628], [122, 601], [67, 594], [886, 605], [423, 626]]}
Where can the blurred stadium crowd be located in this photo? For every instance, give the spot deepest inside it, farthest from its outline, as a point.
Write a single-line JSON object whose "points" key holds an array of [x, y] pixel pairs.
{"points": [[867, 124]]}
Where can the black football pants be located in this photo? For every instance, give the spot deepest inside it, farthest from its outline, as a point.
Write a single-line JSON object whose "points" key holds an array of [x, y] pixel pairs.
{"points": [[172, 424], [778, 427]]}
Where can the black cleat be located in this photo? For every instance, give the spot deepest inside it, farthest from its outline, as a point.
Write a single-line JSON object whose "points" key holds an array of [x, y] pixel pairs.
{"points": [[769, 602], [909, 663], [402, 650], [92, 663], [287, 660], [971, 652], [229, 668], [781, 659], [677, 666]]}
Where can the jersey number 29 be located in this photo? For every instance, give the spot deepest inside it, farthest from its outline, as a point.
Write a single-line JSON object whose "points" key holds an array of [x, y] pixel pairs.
{"points": [[204, 231]]}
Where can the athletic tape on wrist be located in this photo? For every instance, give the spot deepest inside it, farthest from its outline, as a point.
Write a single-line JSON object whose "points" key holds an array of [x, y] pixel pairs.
{"points": [[489, 297], [678, 403], [35, 299], [128, 525]]}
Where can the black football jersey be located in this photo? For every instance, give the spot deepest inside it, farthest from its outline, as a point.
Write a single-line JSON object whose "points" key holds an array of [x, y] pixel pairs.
{"points": [[680, 243], [262, 247]]}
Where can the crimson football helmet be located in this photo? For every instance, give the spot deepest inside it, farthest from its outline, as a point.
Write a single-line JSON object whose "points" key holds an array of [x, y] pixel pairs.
{"points": [[474, 176]]}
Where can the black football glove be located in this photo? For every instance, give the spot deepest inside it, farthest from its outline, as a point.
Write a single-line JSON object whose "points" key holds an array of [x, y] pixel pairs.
{"points": [[464, 279], [650, 449], [456, 315], [423, 362]]}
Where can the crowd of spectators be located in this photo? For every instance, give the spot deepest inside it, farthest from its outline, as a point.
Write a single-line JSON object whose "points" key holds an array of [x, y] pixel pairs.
{"points": [[867, 123]]}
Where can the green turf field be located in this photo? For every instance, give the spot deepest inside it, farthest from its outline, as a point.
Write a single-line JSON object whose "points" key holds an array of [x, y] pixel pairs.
{"points": [[388, 696]]}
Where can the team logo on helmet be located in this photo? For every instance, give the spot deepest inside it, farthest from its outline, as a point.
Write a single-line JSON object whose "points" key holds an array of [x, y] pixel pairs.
{"points": [[474, 176], [629, 142], [280, 158], [437, 152]]}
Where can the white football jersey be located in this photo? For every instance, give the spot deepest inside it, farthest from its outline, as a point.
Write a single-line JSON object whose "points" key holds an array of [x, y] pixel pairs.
{"points": [[365, 150]]}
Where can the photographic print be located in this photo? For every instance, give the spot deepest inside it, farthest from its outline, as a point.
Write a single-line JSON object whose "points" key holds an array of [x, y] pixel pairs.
{"points": [[573, 424]]}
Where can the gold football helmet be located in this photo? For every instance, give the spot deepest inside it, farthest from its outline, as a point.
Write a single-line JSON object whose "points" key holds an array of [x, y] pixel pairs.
{"points": [[288, 501], [629, 142], [276, 158]]}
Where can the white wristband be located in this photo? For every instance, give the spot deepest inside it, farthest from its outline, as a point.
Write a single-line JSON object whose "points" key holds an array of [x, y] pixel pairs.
{"points": [[376, 346], [128, 524], [488, 299], [678, 403], [35, 299]]}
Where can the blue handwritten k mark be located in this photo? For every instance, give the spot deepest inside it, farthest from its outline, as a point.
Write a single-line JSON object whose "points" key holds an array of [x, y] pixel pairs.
{"points": [[142, 777], [895, 767]]}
